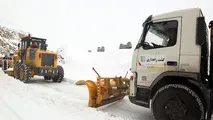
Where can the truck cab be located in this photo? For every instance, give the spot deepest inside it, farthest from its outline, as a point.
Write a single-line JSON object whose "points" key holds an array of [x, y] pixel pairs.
{"points": [[170, 66]]}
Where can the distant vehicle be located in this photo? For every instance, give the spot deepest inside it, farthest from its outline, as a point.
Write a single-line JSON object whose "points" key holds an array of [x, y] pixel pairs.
{"points": [[101, 49], [125, 46], [7, 58], [1, 58]]}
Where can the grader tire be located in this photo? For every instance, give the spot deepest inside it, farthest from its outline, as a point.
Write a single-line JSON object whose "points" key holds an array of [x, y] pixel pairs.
{"points": [[60, 75], [25, 73], [17, 70], [177, 102]]}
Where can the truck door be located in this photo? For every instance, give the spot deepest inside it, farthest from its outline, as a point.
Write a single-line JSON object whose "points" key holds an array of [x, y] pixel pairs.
{"points": [[159, 51]]}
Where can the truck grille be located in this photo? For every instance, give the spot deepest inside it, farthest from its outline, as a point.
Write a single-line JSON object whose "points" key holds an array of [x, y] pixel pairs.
{"points": [[47, 59]]}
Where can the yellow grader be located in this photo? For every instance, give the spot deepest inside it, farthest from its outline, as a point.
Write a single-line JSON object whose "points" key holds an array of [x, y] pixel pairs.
{"points": [[105, 90], [34, 59]]}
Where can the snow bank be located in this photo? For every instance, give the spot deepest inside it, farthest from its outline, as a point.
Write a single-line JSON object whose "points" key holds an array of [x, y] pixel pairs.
{"points": [[110, 63], [35, 101]]}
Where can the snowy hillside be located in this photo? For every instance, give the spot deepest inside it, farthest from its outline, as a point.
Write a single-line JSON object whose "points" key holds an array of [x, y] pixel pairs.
{"points": [[9, 39]]}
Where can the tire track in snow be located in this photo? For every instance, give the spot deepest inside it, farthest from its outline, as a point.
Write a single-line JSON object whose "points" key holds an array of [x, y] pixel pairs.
{"points": [[11, 110], [65, 87], [114, 109], [67, 104], [71, 83], [59, 87]]}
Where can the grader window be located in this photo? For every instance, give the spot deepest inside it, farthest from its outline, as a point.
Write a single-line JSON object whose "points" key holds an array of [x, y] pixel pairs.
{"points": [[161, 34], [25, 45]]}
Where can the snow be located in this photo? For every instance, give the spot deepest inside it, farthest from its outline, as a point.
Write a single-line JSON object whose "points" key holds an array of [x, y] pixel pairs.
{"points": [[1, 55], [46, 100], [9, 69], [110, 63]]}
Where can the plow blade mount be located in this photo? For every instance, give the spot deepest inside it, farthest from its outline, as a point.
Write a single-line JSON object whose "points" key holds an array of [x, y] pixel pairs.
{"points": [[105, 90], [10, 73]]}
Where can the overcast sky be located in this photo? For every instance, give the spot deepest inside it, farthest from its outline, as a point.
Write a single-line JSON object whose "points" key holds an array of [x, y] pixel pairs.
{"points": [[88, 24]]}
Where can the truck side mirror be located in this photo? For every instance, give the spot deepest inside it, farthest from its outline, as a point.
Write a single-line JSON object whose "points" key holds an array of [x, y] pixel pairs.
{"points": [[146, 45]]}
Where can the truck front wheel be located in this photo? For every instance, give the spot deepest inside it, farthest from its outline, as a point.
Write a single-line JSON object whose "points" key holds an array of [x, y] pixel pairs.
{"points": [[177, 102]]}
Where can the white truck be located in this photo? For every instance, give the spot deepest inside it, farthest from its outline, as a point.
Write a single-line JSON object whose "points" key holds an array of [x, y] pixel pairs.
{"points": [[172, 66]]}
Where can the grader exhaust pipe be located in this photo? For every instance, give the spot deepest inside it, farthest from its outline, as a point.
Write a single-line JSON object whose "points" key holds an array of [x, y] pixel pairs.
{"points": [[105, 90]]}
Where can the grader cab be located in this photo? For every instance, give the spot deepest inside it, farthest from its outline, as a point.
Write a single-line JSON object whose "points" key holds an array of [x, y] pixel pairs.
{"points": [[34, 59], [105, 90]]}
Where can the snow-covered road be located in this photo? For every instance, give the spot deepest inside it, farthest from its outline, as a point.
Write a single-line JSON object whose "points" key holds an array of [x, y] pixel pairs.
{"points": [[45, 100]]}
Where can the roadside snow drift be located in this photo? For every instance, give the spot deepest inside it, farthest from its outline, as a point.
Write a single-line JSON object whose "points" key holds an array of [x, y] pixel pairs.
{"points": [[45, 100]]}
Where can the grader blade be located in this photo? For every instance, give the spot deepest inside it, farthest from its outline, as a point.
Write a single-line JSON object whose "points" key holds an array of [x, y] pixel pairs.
{"points": [[10, 72], [105, 90]]}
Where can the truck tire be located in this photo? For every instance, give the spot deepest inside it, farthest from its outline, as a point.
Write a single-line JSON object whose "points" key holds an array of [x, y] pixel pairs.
{"points": [[169, 104], [60, 75], [25, 73]]}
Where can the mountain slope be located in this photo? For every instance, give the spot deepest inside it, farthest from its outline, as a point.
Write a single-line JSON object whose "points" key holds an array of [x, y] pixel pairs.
{"points": [[9, 39]]}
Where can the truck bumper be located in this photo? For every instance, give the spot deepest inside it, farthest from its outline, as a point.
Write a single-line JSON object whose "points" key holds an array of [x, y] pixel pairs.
{"points": [[47, 71]]}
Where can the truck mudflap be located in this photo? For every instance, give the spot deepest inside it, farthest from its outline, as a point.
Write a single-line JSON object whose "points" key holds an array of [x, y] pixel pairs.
{"points": [[105, 90], [140, 103]]}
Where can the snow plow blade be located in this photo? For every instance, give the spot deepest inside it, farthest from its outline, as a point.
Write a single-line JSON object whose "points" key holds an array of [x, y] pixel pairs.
{"points": [[105, 90]]}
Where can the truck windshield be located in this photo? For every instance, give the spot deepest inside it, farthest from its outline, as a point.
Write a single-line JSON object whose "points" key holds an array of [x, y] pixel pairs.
{"points": [[161, 34]]}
